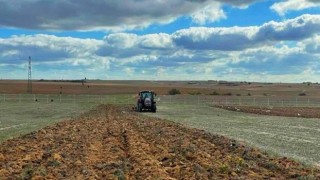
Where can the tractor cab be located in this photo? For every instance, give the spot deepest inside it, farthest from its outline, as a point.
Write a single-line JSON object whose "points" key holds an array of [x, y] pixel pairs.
{"points": [[146, 101]]}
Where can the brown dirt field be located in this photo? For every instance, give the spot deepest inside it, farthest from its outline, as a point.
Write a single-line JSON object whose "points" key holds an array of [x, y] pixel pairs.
{"points": [[161, 87], [113, 142], [305, 112], [103, 87]]}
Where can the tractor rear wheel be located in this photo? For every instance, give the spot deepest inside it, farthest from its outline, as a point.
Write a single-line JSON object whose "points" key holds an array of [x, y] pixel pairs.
{"points": [[140, 107], [154, 109]]}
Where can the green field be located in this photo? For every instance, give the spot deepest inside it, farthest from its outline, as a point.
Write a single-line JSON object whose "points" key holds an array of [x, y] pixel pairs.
{"points": [[21, 118], [21, 114], [297, 138]]}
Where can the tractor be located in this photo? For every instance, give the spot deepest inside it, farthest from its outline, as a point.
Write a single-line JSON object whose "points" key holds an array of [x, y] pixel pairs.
{"points": [[146, 101]]}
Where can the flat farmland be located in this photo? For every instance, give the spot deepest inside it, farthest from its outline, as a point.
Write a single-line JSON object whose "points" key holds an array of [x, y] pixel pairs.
{"points": [[161, 87], [20, 118], [293, 137], [113, 142], [21, 114]]}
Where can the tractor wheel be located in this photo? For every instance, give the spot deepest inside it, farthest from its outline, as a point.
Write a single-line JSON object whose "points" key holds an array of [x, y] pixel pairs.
{"points": [[140, 107], [154, 109]]}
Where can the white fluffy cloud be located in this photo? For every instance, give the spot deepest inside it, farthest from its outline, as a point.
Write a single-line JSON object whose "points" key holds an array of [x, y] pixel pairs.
{"points": [[274, 49], [45, 48], [125, 45], [312, 45], [239, 38], [128, 40], [156, 41], [121, 40], [210, 13], [293, 5]]}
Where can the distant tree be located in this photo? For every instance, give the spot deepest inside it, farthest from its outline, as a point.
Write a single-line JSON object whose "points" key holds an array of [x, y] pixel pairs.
{"points": [[302, 94], [214, 93], [174, 91]]}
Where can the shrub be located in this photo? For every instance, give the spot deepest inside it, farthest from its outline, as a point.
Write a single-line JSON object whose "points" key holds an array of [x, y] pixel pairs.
{"points": [[302, 94], [228, 94], [214, 93], [249, 94], [174, 91], [238, 94]]}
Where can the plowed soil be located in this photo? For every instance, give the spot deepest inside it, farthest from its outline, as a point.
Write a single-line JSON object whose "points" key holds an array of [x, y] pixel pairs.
{"points": [[113, 142], [306, 112]]}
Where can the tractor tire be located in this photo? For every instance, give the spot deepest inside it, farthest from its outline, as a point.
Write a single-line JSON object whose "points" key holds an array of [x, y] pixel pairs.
{"points": [[140, 107], [154, 109]]}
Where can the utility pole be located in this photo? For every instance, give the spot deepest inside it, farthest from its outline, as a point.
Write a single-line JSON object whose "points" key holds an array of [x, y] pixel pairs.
{"points": [[29, 90]]}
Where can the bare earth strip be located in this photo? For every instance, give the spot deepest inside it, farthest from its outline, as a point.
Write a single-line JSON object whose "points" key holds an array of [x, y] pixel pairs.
{"points": [[113, 142]]}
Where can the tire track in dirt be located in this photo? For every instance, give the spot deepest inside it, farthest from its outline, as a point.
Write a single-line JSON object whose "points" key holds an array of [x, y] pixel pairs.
{"points": [[112, 142]]}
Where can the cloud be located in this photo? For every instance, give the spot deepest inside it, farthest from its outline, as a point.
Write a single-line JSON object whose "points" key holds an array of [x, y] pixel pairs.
{"points": [[90, 15], [45, 48], [202, 38], [239, 38], [124, 45], [238, 2], [271, 60], [294, 29], [293, 5], [121, 40], [209, 13], [107, 14], [156, 41], [312, 45], [272, 50]]}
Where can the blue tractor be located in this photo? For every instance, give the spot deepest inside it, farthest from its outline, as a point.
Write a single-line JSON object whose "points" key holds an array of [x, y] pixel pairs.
{"points": [[146, 101]]}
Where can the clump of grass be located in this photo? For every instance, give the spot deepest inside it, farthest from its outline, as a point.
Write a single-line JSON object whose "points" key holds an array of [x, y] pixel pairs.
{"points": [[224, 169], [272, 166], [120, 174], [302, 94], [214, 93], [174, 91], [27, 172], [53, 163], [195, 93]]}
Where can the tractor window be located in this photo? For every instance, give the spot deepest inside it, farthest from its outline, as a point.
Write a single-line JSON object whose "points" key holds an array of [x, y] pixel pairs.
{"points": [[146, 95]]}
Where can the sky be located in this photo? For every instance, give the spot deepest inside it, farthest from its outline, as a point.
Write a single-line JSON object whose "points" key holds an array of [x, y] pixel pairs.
{"points": [[234, 40]]}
